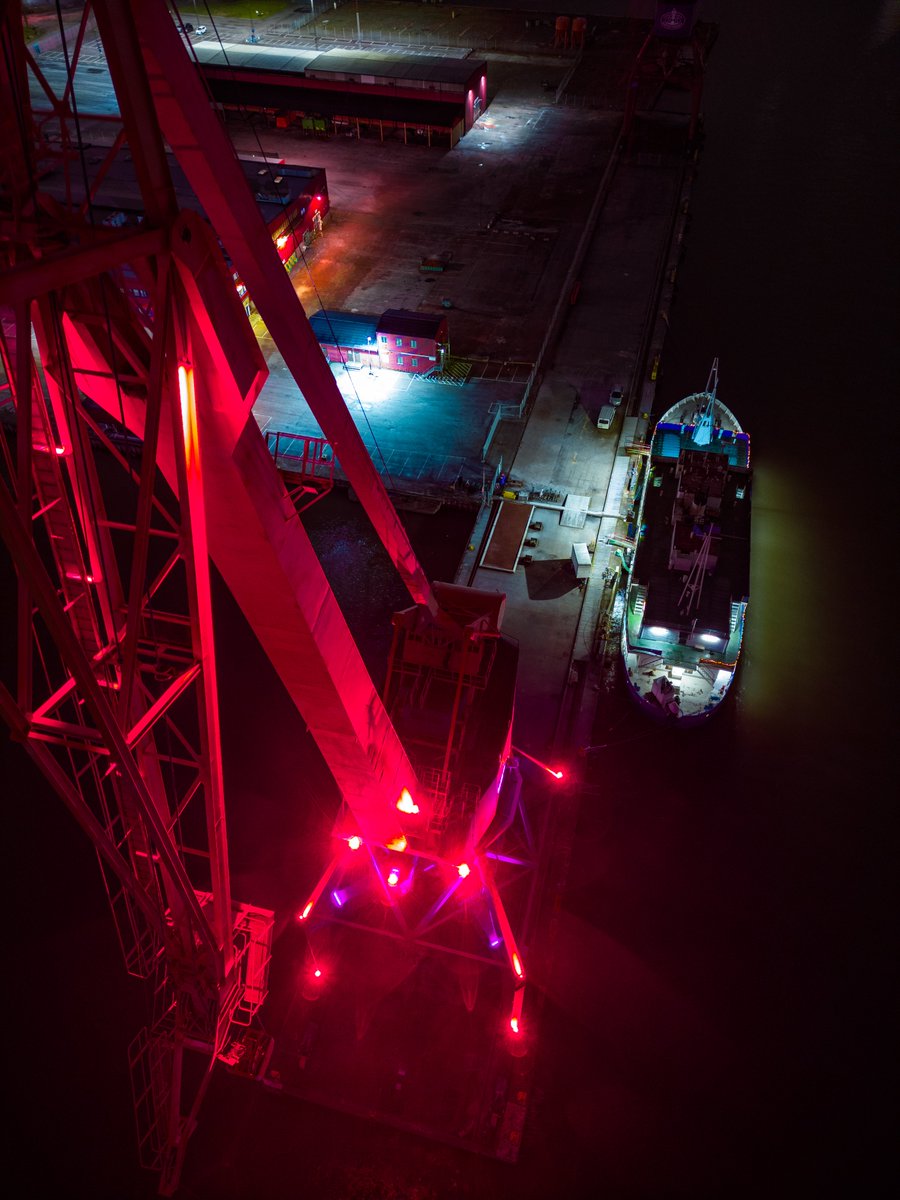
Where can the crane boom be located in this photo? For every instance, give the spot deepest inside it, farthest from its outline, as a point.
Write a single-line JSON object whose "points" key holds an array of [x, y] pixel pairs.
{"points": [[194, 131]]}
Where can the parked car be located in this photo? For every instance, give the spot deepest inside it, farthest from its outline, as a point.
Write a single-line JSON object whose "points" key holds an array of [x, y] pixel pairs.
{"points": [[616, 397], [200, 31], [607, 416]]}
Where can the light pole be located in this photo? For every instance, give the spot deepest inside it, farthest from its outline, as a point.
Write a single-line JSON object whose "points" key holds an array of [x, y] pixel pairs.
{"points": [[369, 343], [312, 5]]}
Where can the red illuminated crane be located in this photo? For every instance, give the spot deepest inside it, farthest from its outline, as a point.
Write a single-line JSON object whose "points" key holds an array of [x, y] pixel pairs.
{"points": [[113, 693], [672, 56]]}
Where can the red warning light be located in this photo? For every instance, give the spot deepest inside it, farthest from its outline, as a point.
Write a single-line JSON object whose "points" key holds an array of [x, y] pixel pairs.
{"points": [[537, 762], [514, 1024], [314, 982]]}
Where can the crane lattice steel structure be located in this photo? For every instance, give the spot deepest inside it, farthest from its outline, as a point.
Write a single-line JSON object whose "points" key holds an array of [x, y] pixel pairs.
{"points": [[113, 693]]}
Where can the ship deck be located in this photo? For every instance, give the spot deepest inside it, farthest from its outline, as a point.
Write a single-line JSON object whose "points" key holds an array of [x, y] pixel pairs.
{"points": [[730, 581]]}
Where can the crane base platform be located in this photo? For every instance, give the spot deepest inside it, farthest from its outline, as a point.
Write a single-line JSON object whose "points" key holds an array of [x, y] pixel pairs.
{"points": [[432, 1055]]}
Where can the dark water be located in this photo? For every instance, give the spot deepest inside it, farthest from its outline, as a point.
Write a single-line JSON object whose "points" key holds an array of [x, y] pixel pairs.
{"points": [[727, 1028], [791, 279], [748, 868]]}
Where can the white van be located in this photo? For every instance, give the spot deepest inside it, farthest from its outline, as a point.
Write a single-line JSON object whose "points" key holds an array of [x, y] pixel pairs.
{"points": [[607, 416]]}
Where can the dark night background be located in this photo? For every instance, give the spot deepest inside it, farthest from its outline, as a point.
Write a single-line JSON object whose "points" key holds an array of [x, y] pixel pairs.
{"points": [[730, 1029]]}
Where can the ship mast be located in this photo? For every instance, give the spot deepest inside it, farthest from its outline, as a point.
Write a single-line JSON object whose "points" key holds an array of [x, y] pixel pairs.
{"points": [[703, 429], [693, 581]]}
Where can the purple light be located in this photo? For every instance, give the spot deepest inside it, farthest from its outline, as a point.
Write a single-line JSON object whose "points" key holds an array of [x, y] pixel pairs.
{"points": [[337, 899]]}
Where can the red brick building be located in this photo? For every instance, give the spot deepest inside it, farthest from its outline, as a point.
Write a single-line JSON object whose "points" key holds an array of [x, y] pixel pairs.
{"points": [[412, 341], [398, 340]]}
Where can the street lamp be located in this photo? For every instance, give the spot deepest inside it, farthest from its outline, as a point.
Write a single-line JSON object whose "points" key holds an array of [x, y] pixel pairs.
{"points": [[369, 344]]}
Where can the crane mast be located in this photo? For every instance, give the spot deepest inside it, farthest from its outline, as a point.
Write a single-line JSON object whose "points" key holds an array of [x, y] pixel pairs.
{"points": [[115, 696]]}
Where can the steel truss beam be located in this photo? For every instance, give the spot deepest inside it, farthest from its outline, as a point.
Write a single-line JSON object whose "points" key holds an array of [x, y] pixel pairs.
{"points": [[115, 671]]}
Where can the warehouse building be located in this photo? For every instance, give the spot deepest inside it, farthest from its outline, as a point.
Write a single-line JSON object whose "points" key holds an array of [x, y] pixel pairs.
{"points": [[358, 93]]}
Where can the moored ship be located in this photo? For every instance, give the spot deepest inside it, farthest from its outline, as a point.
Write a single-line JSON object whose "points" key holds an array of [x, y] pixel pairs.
{"points": [[689, 576]]}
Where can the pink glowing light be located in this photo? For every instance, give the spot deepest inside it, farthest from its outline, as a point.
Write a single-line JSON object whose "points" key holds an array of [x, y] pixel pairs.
{"points": [[188, 416], [406, 803], [464, 870], [514, 1024], [517, 965], [393, 878], [301, 916], [354, 842]]}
